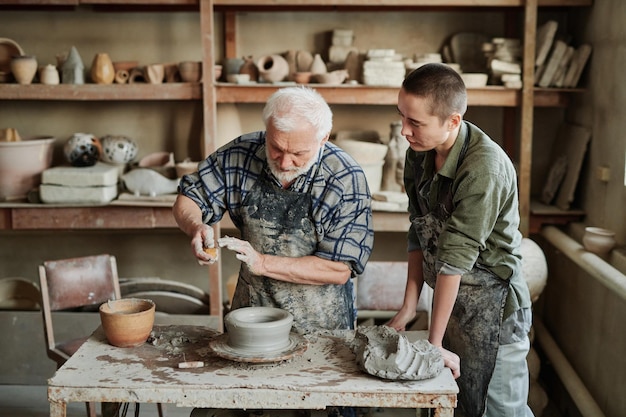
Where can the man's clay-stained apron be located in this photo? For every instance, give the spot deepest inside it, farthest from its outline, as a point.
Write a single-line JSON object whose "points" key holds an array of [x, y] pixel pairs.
{"points": [[279, 222], [473, 329]]}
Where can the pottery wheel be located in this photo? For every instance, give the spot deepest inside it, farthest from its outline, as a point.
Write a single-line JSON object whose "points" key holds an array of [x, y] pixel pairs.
{"points": [[297, 345]]}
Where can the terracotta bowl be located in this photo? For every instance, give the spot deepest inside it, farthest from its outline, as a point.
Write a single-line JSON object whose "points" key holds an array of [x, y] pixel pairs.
{"points": [[302, 77], [127, 322], [258, 329]]}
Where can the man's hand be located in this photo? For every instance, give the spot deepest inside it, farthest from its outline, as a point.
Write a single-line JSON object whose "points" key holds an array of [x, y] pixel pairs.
{"points": [[451, 360], [201, 240], [245, 253]]}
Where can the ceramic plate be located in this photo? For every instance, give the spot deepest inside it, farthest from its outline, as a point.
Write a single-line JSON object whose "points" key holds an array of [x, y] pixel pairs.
{"points": [[297, 345]]}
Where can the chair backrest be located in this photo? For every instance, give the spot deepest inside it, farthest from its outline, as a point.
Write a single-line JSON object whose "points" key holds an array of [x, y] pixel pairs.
{"points": [[75, 282]]}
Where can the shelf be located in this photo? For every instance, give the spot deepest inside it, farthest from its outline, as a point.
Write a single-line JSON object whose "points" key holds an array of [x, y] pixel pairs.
{"points": [[101, 92], [41, 217], [361, 94], [304, 3], [258, 93], [377, 4]]}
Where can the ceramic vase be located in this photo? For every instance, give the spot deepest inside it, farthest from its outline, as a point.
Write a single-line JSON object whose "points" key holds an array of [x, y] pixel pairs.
{"points": [[273, 68], [24, 68], [599, 241], [318, 66], [250, 68], [154, 73], [102, 70], [49, 75], [190, 71]]}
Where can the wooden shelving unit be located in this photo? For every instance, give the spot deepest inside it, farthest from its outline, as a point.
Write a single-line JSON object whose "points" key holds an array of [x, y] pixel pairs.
{"points": [[23, 217]]}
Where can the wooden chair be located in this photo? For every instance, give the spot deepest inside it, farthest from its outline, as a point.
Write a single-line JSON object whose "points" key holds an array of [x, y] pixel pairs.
{"points": [[71, 284], [76, 284]]}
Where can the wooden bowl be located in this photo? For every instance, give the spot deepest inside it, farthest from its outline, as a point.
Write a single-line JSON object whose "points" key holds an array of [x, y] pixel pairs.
{"points": [[127, 322], [258, 329]]}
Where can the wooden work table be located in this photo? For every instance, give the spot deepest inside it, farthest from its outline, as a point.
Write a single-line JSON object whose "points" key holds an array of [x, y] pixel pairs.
{"points": [[324, 375]]}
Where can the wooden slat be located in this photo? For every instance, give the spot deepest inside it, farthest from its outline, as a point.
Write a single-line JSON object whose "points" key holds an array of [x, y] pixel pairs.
{"points": [[101, 92], [399, 3], [361, 94], [306, 3], [527, 112], [101, 217]]}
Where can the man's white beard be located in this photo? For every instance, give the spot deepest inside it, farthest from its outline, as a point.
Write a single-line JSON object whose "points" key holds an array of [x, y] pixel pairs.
{"points": [[291, 173]]}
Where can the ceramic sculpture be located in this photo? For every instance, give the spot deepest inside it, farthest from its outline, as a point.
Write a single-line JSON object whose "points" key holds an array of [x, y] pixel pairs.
{"points": [[148, 182], [118, 149], [82, 150], [72, 71]]}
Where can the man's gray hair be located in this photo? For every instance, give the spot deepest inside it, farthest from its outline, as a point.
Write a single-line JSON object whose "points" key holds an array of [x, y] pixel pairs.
{"points": [[288, 107]]}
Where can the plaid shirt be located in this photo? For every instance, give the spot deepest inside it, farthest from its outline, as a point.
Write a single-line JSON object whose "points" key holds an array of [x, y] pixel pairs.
{"points": [[341, 201]]}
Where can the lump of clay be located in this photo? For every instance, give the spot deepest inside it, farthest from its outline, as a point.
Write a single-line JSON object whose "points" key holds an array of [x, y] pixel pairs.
{"points": [[383, 352]]}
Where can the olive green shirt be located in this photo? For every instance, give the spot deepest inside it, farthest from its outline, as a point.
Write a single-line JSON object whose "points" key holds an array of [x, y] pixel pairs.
{"points": [[483, 227]]}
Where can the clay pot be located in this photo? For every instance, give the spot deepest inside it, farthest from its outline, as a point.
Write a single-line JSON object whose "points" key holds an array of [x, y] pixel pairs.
{"points": [[154, 73], [127, 322], [49, 75], [217, 69], [24, 68], [102, 70], [190, 71], [250, 68], [599, 241], [258, 329], [273, 68], [304, 59], [21, 165]]}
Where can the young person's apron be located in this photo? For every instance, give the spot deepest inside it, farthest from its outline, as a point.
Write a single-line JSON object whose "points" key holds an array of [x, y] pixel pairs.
{"points": [[474, 325], [279, 222]]}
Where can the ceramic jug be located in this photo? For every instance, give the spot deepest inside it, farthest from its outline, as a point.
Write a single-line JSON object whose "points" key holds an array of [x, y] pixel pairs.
{"points": [[273, 68], [24, 68], [102, 70]]}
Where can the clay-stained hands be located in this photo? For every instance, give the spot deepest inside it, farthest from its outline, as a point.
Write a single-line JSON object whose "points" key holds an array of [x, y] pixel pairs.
{"points": [[202, 240], [245, 253]]}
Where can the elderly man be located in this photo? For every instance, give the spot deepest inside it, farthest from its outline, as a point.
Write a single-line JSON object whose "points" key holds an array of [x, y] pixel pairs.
{"points": [[302, 206]]}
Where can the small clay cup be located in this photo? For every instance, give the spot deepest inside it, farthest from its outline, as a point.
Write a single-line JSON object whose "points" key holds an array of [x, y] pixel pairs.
{"points": [[302, 77], [127, 322]]}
